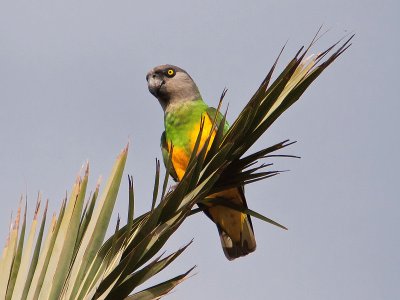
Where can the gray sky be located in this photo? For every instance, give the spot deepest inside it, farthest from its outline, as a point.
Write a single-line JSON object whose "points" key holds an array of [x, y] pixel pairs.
{"points": [[72, 88]]}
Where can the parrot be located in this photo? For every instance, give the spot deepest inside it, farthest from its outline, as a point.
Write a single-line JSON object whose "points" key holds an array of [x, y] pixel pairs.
{"points": [[184, 110]]}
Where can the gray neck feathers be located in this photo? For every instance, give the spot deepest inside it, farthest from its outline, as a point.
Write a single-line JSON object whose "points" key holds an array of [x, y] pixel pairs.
{"points": [[181, 89]]}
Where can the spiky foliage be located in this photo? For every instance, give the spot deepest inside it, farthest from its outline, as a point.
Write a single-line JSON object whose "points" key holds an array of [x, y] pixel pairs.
{"points": [[72, 260], [227, 153]]}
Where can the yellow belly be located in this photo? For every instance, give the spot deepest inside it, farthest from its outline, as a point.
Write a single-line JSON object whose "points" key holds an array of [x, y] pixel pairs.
{"points": [[180, 157], [231, 221]]}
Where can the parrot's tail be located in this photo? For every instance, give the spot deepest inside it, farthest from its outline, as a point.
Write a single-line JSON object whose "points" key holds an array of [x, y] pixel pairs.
{"points": [[244, 246]]}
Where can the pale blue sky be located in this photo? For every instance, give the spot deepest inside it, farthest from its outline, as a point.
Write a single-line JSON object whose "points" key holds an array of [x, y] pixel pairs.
{"points": [[72, 88]]}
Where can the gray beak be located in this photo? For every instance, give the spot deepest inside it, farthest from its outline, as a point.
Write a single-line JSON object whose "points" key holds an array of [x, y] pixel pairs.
{"points": [[154, 83]]}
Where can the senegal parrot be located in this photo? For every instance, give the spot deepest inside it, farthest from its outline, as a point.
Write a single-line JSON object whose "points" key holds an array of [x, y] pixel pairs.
{"points": [[183, 109]]}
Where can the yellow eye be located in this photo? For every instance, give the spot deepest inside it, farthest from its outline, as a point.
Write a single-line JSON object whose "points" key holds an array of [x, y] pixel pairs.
{"points": [[171, 72]]}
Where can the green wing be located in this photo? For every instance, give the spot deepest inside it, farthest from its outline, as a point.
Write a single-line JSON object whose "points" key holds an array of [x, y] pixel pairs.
{"points": [[165, 154], [211, 111]]}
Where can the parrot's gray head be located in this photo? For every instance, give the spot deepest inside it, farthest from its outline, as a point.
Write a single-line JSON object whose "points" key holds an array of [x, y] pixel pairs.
{"points": [[171, 85]]}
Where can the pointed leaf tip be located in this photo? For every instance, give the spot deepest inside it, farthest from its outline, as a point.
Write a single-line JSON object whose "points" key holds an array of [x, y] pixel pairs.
{"points": [[87, 169], [98, 183], [127, 146]]}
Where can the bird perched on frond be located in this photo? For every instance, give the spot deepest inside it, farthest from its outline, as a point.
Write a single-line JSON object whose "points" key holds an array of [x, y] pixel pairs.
{"points": [[184, 110]]}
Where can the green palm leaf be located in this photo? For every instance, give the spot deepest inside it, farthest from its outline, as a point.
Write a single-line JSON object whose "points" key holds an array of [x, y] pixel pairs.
{"points": [[72, 259]]}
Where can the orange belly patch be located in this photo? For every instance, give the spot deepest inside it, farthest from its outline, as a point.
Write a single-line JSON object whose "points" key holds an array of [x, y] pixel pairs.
{"points": [[230, 220], [180, 156]]}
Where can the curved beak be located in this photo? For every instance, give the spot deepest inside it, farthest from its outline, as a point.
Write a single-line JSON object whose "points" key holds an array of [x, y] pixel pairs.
{"points": [[154, 82]]}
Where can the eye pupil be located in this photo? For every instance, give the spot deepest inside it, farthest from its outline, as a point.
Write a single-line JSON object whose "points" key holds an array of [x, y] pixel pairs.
{"points": [[171, 72]]}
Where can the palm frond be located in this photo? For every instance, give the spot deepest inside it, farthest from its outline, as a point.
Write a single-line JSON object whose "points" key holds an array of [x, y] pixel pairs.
{"points": [[266, 105], [72, 260]]}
